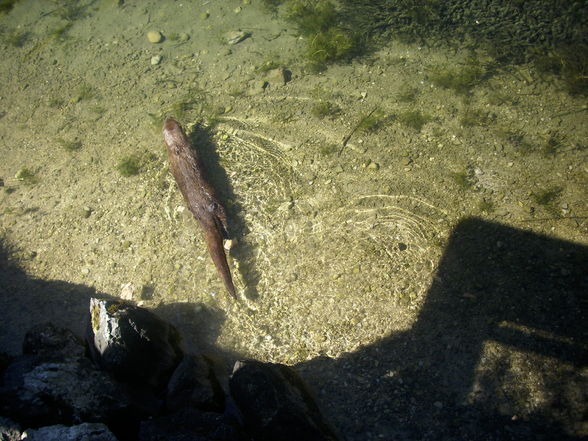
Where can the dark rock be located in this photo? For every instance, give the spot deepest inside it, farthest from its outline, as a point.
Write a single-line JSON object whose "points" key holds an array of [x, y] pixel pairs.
{"points": [[82, 432], [132, 343], [191, 425], [194, 384], [39, 392], [276, 404], [9, 430], [47, 340]]}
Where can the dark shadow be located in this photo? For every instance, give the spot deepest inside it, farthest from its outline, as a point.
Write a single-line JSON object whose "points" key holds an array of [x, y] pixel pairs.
{"points": [[242, 251], [507, 311], [26, 301]]}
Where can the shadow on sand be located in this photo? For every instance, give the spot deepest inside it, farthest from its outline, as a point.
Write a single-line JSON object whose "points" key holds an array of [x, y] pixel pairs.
{"points": [[499, 350]]}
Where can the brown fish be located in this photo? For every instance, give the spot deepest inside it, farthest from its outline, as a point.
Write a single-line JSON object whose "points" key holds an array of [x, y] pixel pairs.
{"points": [[199, 195]]}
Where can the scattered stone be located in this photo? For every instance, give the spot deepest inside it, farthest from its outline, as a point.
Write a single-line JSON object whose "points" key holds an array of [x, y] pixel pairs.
{"points": [[132, 343], [47, 340], [42, 392], [87, 212], [234, 37], [225, 51], [257, 88], [156, 59], [81, 432], [154, 37], [191, 424], [194, 384], [279, 76], [276, 404], [9, 430], [128, 291], [183, 37]]}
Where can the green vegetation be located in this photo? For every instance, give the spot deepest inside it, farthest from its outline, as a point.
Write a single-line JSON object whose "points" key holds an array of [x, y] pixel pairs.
{"points": [[328, 149], [70, 146], [324, 109], [414, 119], [547, 196], [85, 92], [17, 38], [6, 5], [60, 32], [474, 117], [129, 165], [407, 94], [570, 63], [551, 145], [486, 206], [26, 176], [517, 139], [462, 179], [327, 40], [461, 80], [134, 163], [373, 121]]}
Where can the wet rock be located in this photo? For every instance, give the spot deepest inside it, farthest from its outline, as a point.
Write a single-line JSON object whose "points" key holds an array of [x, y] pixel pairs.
{"points": [[276, 404], [81, 432], [279, 76], [38, 391], [9, 430], [154, 37], [194, 384], [234, 37], [132, 343], [191, 425], [47, 340]]}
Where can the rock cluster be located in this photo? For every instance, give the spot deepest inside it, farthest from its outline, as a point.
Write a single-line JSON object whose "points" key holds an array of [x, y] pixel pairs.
{"points": [[131, 380]]}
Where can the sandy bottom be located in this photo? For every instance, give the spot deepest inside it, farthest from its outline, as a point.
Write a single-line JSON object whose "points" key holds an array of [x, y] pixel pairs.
{"points": [[428, 283]]}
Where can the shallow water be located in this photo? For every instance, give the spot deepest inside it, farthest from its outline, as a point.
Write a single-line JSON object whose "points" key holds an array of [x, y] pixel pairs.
{"points": [[338, 247]]}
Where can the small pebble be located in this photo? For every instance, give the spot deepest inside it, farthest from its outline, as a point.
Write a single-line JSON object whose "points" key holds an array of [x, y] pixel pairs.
{"points": [[155, 60], [154, 36]]}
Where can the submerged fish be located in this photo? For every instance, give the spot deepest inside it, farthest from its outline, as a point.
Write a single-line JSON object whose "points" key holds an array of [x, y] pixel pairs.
{"points": [[199, 195]]}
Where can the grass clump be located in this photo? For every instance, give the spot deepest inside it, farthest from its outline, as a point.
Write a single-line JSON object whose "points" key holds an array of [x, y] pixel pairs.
{"points": [[473, 117], [373, 121], [460, 80], [325, 109], [414, 119], [327, 41], [26, 176], [463, 179], [70, 146], [407, 95], [551, 145], [547, 197], [134, 163]]}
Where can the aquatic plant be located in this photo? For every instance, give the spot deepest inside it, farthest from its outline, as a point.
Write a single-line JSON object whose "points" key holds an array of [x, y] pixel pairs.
{"points": [[407, 94], [547, 196], [17, 38], [26, 176], [7, 5], [372, 121], [330, 45], [312, 17], [323, 109], [326, 40], [70, 146], [551, 145], [129, 165], [474, 117], [461, 80], [414, 119], [462, 179], [328, 149]]}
